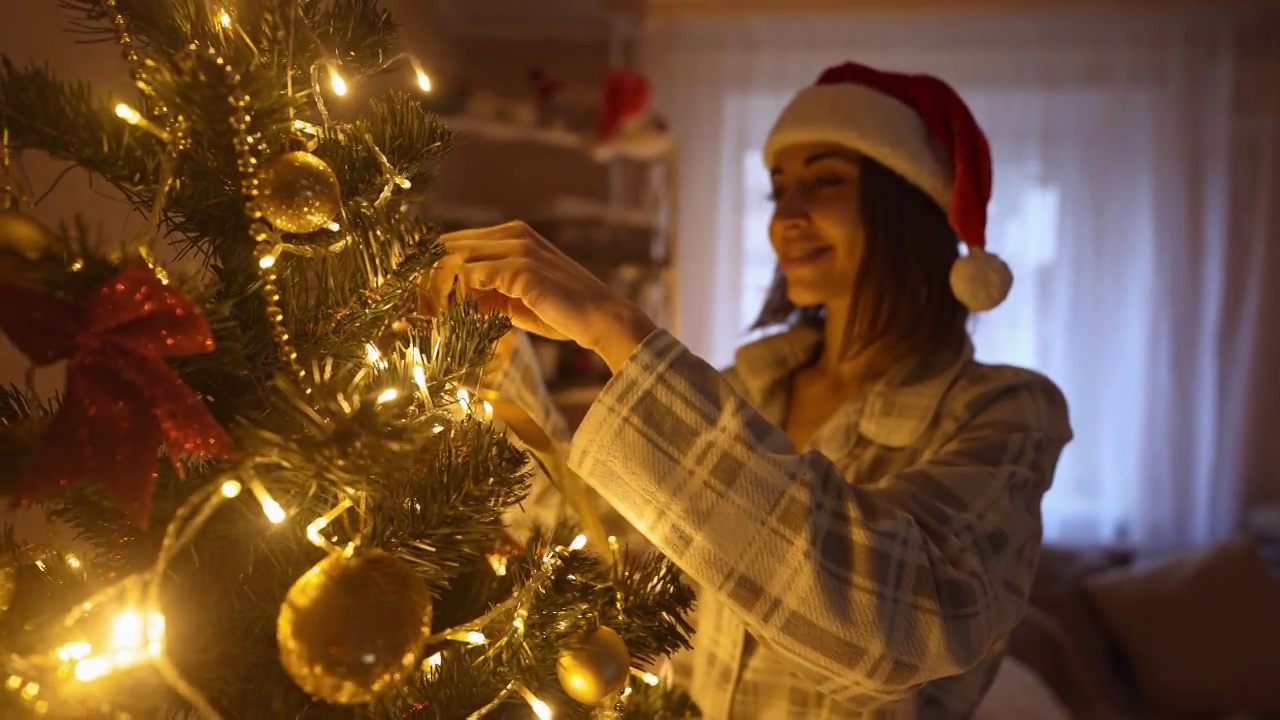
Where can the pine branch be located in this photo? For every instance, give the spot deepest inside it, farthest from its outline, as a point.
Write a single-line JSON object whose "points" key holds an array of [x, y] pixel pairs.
{"points": [[67, 121], [410, 138]]}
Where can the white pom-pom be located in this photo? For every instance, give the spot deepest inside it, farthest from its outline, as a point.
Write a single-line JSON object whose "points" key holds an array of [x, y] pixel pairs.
{"points": [[980, 280]]}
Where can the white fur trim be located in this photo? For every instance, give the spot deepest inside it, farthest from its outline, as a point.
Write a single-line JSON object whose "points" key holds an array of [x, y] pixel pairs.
{"points": [[981, 280], [875, 124]]}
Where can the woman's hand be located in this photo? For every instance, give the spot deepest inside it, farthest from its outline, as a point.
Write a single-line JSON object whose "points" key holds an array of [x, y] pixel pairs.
{"points": [[513, 270]]}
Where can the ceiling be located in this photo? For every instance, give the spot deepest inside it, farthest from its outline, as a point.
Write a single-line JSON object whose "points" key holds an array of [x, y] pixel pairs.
{"points": [[489, 18]]}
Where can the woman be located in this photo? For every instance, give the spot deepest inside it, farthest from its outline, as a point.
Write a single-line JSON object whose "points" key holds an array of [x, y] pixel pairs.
{"points": [[858, 500]]}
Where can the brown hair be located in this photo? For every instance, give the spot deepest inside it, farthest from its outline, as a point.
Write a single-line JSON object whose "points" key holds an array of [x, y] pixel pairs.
{"points": [[902, 293]]}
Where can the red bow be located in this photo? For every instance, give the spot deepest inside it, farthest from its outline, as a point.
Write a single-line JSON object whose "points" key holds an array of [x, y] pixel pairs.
{"points": [[121, 400]]}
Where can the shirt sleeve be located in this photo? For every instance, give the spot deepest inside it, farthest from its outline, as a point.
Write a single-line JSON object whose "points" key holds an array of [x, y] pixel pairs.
{"points": [[873, 586]]}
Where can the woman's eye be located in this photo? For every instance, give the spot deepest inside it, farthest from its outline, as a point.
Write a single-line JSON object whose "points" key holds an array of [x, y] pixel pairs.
{"points": [[829, 181]]}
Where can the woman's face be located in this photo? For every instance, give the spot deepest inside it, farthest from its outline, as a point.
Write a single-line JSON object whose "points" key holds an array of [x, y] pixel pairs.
{"points": [[816, 230]]}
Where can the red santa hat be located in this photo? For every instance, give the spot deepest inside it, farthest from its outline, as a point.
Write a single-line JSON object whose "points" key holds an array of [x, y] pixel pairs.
{"points": [[920, 128]]}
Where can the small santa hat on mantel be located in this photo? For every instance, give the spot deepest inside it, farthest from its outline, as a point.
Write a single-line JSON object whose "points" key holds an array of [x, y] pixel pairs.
{"points": [[920, 128]]}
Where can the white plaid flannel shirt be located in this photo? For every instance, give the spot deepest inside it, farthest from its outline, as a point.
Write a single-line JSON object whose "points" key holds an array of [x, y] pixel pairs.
{"points": [[878, 573]]}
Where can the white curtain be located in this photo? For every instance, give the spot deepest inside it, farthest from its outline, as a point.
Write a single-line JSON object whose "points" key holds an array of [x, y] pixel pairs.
{"points": [[1136, 160]]}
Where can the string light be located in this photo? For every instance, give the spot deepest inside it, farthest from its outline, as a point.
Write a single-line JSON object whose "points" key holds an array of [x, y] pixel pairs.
{"points": [[73, 561], [125, 112], [541, 709], [424, 81], [433, 662], [335, 80], [231, 488], [578, 543], [420, 378], [268, 261], [136, 637], [224, 19], [322, 522], [270, 507], [647, 678], [388, 395], [374, 356]]}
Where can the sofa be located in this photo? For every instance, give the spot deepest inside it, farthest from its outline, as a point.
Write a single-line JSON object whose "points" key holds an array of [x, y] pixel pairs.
{"points": [[1179, 636]]}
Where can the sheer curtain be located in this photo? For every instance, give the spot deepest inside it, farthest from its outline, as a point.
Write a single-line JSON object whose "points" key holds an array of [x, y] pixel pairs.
{"points": [[1136, 158]]}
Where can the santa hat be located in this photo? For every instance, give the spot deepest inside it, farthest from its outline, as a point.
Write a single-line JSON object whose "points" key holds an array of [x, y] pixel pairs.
{"points": [[918, 127]]}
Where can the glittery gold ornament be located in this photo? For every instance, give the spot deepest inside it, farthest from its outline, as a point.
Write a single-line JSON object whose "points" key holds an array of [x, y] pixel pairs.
{"points": [[353, 625], [298, 192], [595, 666]]}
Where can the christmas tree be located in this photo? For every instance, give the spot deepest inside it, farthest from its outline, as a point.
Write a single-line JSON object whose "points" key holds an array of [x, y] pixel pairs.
{"points": [[288, 475]]}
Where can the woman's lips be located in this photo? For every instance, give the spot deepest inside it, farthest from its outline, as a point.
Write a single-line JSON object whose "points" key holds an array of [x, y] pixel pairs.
{"points": [[797, 258]]}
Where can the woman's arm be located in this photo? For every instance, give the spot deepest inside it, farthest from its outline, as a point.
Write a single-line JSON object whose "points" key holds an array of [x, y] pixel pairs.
{"points": [[872, 585]]}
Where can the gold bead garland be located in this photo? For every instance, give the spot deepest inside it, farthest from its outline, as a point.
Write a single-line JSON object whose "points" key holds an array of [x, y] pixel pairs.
{"points": [[134, 60], [259, 232]]}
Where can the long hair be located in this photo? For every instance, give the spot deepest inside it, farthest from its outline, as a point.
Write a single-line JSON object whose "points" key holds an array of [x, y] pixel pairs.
{"points": [[902, 292]]}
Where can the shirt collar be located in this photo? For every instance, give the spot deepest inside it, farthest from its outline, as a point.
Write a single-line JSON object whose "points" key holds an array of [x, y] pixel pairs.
{"points": [[898, 407]]}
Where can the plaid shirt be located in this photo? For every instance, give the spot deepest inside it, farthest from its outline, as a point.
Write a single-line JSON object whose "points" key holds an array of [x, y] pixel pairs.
{"points": [[876, 574]]}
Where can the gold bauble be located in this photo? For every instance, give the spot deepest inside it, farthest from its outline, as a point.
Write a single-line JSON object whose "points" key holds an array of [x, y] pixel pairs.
{"points": [[24, 236], [352, 626], [298, 192], [595, 666]]}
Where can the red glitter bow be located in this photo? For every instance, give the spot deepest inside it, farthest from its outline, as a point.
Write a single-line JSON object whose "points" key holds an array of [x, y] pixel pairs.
{"points": [[121, 400]]}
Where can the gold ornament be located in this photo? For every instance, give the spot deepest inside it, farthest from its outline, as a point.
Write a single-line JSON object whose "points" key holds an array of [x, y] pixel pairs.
{"points": [[24, 236], [353, 625], [594, 667], [298, 192]]}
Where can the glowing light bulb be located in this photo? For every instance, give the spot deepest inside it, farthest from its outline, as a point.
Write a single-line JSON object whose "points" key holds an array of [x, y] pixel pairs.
{"points": [[388, 395], [433, 661], [274, 512], [128, 114], [476, 638], [224, 19], [266, 262], [336, 82], [420, 378], [578, 543], [73, 561], [313, 531], [91, 669], [374, 356], [424, 82], [231, 488], [540, 708]]}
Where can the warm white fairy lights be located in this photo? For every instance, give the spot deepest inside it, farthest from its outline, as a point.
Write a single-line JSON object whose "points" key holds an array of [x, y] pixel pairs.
{"points": [[540, 708], [125, 112], [319, 524], [336, 82], [272, 509]]}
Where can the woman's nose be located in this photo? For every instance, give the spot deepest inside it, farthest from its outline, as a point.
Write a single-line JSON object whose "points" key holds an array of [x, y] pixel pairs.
{"points": [[791, 207]]}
